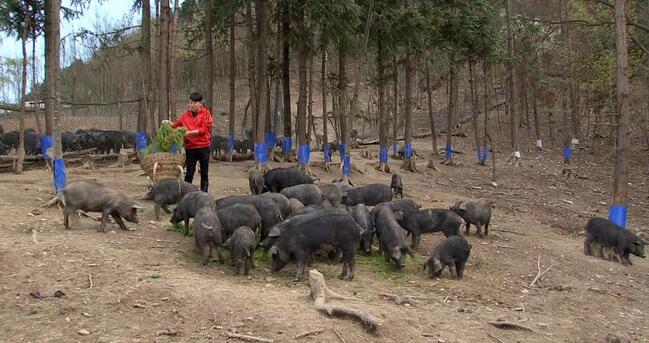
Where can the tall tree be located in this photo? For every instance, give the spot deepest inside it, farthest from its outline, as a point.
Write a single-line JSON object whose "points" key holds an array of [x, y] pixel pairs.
{"points": [[145, 67], [233, 75], [513, 120], [252, 82], [52, 62], [302, 55], [163, 72], [287, 146], [620, 184], [431, 116], [171, 63], [23, 91], [209, 54], [452, 109], [261, 14], [325, 123], [53, 85], [408, 161], [380, 66]]}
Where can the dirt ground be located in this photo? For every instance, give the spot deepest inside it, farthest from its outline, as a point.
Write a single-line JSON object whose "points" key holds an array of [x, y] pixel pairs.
{"points": [[147, 285]]}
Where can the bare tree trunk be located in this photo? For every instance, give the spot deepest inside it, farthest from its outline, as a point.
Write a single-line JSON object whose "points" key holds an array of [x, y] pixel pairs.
{"points": [[252, 83], [526, 107], [209, 55], [20, 151], [431, 115], [516, 155], [537, 124], [620, 184], [354, 108], [567, 155], [383, 134], [286, 80], [342, 98], [53, 87], [486, 139], [495, 91], [277, 86], [145, 67], [261, 14], [302, 86], [312, 132], [172, 62], [35, 89], [395, 105], [163, 93], [408, 161], [233, 75], [52, 63], [452, 108], [323, 86], [474, 109]]}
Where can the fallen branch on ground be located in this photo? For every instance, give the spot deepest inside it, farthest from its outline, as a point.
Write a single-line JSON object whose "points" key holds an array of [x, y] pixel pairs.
{"points": [[90, 280], [540, 274], [247, 337], [320, 292], [340, 337], [401, 299], [512, 325], [502, 230], [494, 338], [309, 333]]}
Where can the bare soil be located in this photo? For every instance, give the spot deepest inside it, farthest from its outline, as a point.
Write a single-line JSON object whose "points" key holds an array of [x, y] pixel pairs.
{"points": [[147, 285]]}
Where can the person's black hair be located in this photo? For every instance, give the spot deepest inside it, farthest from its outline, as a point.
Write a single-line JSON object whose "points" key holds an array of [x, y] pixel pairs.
{"points": [[196, 96]]}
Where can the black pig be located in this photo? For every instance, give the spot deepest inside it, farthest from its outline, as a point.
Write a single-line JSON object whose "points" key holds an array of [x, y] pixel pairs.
{"points": [[452, 252]]}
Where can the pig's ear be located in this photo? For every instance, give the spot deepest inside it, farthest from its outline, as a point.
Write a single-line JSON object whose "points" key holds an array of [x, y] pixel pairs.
{"points": [[274, 232], [227, 243], [437, 266], [462, 206]]}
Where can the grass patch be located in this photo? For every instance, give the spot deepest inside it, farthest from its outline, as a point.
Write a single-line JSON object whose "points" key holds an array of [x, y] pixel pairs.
{"points": [[261, 257], [180, 228], [378, 264]]}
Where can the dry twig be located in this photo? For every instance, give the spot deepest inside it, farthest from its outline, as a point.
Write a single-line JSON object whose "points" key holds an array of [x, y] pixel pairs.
{"points": [[540, 274], [90, 280], [247, 337], [309, 333], [512, 325], [340, 337]]}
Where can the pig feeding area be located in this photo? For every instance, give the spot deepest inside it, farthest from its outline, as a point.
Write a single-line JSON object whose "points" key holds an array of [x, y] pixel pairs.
{"points": [[147, 285]]}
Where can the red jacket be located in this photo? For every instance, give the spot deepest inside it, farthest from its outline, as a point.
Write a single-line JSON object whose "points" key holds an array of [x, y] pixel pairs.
{"points": [[201, 121]]}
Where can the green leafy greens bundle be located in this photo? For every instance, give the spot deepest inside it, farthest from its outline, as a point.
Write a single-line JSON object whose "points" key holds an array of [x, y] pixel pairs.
{"points": [[166, 138]]}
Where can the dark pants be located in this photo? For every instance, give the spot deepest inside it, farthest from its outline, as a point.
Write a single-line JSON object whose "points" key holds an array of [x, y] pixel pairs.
{"points": [[202, 155]]}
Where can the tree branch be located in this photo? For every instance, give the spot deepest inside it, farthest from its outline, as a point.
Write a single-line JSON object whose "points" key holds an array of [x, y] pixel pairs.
{"points": [[628, 21]]}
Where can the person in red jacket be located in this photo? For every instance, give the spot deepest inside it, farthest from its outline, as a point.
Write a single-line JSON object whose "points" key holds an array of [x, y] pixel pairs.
{"points": [[198, 122]]}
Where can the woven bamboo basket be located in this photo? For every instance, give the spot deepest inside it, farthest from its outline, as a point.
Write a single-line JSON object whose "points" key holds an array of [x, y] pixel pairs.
{"points": [[163, 165]]}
